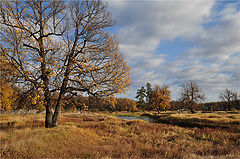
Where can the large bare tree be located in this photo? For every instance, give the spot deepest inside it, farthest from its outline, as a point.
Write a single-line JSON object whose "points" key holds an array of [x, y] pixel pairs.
{"points": [[230, 98], [63, 48], [191, 95]]}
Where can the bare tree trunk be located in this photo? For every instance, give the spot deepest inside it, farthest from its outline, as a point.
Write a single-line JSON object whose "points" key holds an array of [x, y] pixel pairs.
{"points": [[158, 109], [56, 112], [48, 117], [191, 109], [55, 117], [62, 92]]}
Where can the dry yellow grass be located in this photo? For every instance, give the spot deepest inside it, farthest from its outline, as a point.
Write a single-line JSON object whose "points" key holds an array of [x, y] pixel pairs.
{"points": [[226, 118], [219, 120], [93, 135]]}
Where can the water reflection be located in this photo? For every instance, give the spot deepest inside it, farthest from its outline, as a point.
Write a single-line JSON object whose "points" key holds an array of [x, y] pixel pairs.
{"points": [[150, 120]]}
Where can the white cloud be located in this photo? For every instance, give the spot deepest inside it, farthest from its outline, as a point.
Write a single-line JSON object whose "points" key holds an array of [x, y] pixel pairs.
{"points": [[221, 40], [144, 24], [213, 59]]}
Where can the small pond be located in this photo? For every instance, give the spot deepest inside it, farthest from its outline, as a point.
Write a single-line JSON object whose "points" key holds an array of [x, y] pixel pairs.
{"points": [[150, 120]]}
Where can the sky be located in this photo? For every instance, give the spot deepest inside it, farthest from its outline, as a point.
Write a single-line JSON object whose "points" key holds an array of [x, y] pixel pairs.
{"points": [[173, 41]]}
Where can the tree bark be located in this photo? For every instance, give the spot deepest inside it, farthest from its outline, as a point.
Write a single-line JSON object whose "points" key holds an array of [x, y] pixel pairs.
{"points": [[55, 118], [62, 92], [57, 111], [48, 117]]}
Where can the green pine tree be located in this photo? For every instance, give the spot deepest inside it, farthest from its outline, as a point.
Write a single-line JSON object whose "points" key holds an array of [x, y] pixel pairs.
{"points": [[149, 92], [141, 94]]}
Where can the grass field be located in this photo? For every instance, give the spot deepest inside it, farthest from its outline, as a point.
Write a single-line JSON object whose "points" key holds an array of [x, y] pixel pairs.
{"points": [[102, 135], [220, 120]]}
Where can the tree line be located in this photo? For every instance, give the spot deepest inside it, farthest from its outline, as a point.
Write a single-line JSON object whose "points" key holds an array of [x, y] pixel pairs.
{"points": [[191, 98], [156, 98], [12, 98]]}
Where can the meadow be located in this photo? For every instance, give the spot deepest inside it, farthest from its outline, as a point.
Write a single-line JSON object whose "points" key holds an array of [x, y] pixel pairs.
{"points": [[103, 135]]}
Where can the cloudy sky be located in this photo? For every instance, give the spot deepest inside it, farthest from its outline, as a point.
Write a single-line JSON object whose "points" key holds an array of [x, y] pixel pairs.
{"points": [[173, 41]]}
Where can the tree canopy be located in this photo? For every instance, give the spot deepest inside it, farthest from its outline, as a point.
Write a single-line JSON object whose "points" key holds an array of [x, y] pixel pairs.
{"points": [[160, 97]]}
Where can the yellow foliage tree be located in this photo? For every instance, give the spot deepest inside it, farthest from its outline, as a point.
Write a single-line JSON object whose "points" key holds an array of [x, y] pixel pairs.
{"points": [[160, 97], [62, 47], [6, 91], [6, 96], [110, 102], [125, 104]]}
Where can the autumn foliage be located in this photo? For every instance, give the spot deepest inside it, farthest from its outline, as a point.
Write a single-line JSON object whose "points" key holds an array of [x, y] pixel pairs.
{"points": [[160, 97]]}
